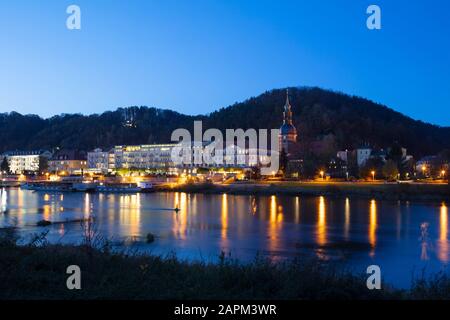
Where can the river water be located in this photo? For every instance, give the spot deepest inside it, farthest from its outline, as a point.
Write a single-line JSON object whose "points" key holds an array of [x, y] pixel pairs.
{"points": [[403, 238]]}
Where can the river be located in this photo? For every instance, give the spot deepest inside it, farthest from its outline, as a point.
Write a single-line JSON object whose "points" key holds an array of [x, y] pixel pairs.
{"points": [[403, 238]]}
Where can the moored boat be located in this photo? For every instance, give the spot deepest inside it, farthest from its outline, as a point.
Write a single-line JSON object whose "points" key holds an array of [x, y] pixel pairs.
{"points": [[47, 186], [145, 186], [85, 186], [118, 188]]}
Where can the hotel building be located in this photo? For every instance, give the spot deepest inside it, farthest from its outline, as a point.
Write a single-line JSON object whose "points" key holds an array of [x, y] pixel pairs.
{"points": [[68, 162], [100, 161], [159, 156], [26, 161]]}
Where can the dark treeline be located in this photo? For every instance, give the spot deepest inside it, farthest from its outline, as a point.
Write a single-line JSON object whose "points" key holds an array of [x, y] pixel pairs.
{"points": [[339, 120]]}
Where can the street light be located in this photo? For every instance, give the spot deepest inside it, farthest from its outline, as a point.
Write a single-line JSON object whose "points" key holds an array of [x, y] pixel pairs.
{"points": [[424, 168], [373, 175], [322, 173], [443, 174]]}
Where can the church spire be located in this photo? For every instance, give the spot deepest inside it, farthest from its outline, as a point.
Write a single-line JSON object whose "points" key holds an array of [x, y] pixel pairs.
{"points": [[287, 99], [288, 133], [287, 114]]}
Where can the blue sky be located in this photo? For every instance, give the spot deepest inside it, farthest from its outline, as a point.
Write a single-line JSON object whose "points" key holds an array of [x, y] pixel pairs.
{"points": [[196, 56]]}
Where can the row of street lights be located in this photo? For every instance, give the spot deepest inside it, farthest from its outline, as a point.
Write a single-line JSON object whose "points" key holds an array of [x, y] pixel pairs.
{"points": [[443, 172]]}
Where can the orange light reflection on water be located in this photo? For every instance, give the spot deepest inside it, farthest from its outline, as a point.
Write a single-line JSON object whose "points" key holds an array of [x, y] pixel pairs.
{"points": [[443, 248], [321, 235], [275, 223], [347, 218], [373, 227]]}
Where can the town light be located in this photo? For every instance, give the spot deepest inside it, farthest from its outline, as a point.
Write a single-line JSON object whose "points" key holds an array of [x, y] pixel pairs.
{"points": [[373, 175], [322, 173], [443, 173]]}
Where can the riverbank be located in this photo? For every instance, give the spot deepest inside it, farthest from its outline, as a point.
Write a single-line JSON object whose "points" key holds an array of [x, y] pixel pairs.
{"points": [[39, 272], [381, 191]]}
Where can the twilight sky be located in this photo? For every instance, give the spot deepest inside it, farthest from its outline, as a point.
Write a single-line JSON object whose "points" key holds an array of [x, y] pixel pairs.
{"points": [[195, 56]]}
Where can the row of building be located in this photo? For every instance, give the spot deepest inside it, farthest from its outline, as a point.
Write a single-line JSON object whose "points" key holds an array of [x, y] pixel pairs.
{"points": [[432, 165], [40, 161], [138, 157]]}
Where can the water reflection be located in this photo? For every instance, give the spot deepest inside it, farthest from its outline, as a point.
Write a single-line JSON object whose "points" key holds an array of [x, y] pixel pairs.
{"points": [[347, 218], [276, 226], [321, 223], [254, 205], [130, 213], [180, 218], [3, 200], [87, 206], [443, 249], [275, 223], [424, 241], [373, 227], [224, 217]]}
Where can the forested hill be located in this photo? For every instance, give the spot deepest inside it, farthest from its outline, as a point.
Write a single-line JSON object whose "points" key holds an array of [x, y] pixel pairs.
{"points": [[319, 115]]}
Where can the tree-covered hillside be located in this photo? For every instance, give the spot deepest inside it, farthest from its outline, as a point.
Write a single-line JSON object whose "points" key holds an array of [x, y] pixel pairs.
{"points": [[342, 121]]}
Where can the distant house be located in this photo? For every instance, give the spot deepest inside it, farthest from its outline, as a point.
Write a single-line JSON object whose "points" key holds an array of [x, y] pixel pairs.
{"points": [[68, 161], [26, 161], [343, 155], [430, 166]]}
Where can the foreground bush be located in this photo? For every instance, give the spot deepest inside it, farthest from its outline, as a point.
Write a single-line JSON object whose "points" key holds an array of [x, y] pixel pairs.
{"points": [[38, 271], [29, 272]]}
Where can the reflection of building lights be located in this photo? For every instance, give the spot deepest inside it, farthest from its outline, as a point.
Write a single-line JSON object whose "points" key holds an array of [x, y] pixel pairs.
{"points": [[373, 225], [224, 216], [275, 221], [4, 200], [321, 223], [443, 234], [347, 218]]}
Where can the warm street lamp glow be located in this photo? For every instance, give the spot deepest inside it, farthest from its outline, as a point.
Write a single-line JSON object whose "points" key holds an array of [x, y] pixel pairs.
{"points": [[322, 173], [443, 173], [424, 168], [373, 175]]}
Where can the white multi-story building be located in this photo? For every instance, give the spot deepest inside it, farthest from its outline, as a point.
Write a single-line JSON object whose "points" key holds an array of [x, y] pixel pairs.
{"points": [[159, 156], [143, 156], [26, 161], [99, 161]]}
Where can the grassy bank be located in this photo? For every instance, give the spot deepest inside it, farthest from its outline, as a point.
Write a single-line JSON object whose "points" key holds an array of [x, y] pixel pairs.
{"points": [[39, 272], [392, 191]]}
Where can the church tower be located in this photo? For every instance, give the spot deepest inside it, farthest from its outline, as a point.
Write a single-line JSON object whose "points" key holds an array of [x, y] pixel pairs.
{"points": [[288, 133]]}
